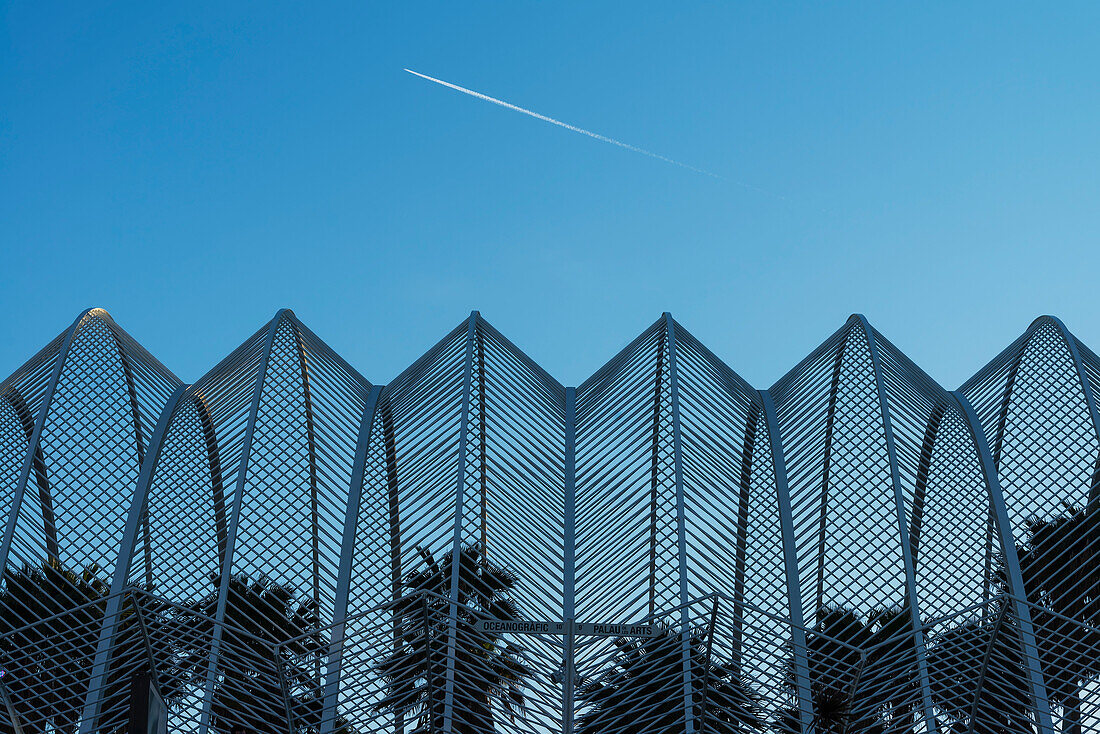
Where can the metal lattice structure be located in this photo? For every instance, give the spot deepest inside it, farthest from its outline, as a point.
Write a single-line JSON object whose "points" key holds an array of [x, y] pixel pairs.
{"points": [[284, 547]]}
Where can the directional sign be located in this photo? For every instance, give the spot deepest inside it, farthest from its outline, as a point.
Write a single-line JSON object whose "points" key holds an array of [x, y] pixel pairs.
{"points": [[524, 627], [616, 630]]}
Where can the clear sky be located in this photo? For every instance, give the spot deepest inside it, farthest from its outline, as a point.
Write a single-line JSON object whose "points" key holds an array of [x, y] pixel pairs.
{"points": [[193, 169]]}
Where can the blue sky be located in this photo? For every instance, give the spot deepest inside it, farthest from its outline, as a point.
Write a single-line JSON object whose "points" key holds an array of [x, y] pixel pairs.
{"points": [[194, 169]]}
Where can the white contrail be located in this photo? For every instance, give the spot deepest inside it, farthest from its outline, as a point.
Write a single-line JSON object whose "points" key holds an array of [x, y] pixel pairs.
{"points": [[567, 126]]}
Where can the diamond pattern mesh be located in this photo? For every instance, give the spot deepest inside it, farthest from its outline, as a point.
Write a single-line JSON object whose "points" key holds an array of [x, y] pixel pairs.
{"points": [[284, 547]]}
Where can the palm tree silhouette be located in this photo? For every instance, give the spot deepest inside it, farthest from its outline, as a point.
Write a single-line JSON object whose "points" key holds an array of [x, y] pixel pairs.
{"points": [[50, 620], [1060, 564], [487, 672], [861, 673], [642, 689], [267, 661], [977, 677]]}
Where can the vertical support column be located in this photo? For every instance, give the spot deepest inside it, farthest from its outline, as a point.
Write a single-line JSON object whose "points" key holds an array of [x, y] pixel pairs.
{"points": [[1036, 685], [903, 534], [740, 558], [234, 522], [134, 522], [393, 496], [334, 665], [790, 562], [311, 454], [456, 551], [681, 527], [569, 599], [655, 468]]}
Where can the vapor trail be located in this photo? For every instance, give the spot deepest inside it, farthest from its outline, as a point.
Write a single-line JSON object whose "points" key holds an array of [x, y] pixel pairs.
{"points": [[574, 128]]}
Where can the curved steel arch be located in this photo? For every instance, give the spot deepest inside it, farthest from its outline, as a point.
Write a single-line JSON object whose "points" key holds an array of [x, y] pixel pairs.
{"points": [[1036, 684], [670, 377], [33, 448], [311, 452], [139, 440], [790, 567], [213, 457], [234, 522], [136, 518], [830, 420], [1090, 402], [347, 552], [924, 468], [45, 497]]}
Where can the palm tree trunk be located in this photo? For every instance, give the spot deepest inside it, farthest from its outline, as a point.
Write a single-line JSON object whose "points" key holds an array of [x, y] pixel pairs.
{"points": [[429, 672]]}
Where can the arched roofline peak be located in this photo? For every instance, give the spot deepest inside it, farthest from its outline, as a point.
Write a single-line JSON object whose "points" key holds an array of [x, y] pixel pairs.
{"points": [[1071, 345], [1046, 319]]}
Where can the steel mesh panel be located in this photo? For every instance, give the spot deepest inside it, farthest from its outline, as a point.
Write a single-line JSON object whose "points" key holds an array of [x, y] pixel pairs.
{"points": [[83, 407], [15, 420], [256, 597], [296, 488], [407, 504], [840, 479], [627, 559], [1048, 447], [476, 396], [953, 543], [189, 485], [733, 540], [1037, 402], [946, 498]]}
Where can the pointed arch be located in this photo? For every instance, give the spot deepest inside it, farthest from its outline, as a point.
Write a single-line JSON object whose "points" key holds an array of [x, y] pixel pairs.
{"points": [[311, 454], [34, 440], [234, 522], [334, 664], [45, 496], [136, 519], [903, 528], [1090, 401], [999, 510], [826, 465]]}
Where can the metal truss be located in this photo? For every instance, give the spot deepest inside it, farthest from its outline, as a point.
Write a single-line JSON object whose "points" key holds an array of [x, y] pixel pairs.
{"points": [[285, 547]]}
